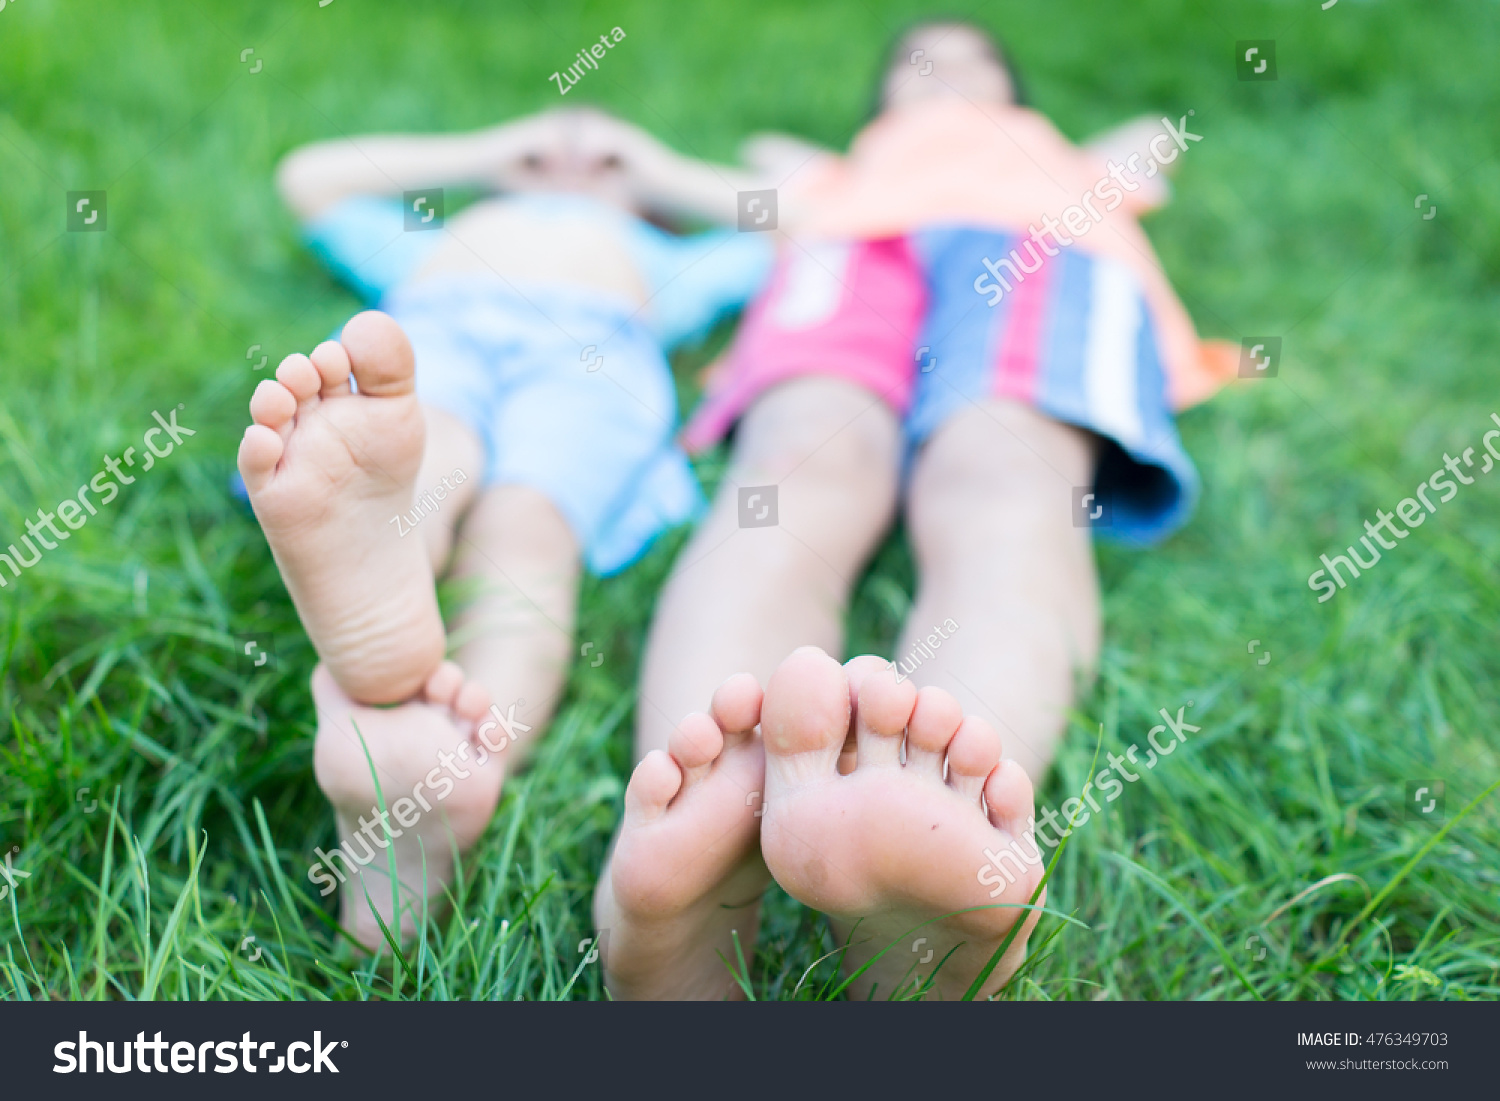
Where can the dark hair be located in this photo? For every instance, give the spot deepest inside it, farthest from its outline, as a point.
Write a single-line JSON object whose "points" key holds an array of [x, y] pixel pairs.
{"points": [[997, 51]]}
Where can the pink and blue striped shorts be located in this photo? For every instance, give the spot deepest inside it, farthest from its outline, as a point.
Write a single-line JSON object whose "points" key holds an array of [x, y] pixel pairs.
{"points": [[902, 318]]}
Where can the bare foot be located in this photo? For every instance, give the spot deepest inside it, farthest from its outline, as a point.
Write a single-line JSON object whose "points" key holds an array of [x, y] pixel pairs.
{"points": [[438, 795], [685, 871], [891, 846], [326, 470]]}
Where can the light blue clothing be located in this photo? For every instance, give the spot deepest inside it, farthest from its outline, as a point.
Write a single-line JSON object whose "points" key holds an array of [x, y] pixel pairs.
{"points": [[568, 387], [593, 431], [691, 281]]}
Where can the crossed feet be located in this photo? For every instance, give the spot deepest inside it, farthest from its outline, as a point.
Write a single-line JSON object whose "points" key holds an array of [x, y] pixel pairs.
{"points": [[892, 852], [326, 466]]}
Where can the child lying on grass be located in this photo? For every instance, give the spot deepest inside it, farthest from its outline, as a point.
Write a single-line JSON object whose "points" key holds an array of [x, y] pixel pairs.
{"points": [[922, 343], [515, 391]]}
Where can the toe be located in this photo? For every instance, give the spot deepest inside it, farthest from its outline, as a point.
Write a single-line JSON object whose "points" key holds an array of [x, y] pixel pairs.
{"points": [[857, 670], [861, 669], [260, 451], [736, 705], [694, 745], [1009, 796], [655, 782], [379, 354], [273, 406], [442, 687], [472, 702], [972, 755], [298, 375], [806, 710], [332, 363], [885, 707], [934, 722]]}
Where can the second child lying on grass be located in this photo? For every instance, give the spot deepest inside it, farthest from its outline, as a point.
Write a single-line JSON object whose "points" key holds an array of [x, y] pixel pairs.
{"points": [[965, 323]]}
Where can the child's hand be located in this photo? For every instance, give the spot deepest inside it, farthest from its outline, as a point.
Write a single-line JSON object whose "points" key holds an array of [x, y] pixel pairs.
{"points": [[1133, 140]]}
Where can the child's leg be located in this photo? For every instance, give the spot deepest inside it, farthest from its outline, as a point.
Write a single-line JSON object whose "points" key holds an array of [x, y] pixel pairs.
{"points": [[685, 873], [517, 564], [991, 524], [365, 591], [333, 475], [452, 449], [741, 598]]}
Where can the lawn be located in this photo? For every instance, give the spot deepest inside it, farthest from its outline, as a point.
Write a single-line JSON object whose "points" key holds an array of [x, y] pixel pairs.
{"points": [[157, 792]]}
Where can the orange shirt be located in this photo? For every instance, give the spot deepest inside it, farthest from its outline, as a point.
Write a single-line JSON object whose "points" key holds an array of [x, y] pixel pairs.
{"points": [[947, 161]]}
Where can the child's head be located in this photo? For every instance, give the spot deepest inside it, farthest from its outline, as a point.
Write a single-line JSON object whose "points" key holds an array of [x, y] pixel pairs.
{"points": [[949, 57], [579, 152]]}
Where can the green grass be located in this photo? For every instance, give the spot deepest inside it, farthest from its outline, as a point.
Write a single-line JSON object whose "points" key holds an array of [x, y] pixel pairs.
{"points": [[1282, 819]]}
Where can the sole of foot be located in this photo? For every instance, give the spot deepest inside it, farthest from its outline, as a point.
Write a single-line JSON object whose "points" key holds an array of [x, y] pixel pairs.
{"points": [[685, 874], [326, 470], [439, 785], [893, 851]]}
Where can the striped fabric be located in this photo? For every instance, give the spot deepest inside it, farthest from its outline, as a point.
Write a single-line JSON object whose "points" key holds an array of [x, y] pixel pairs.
{"points": [[1071, 337], [947, 316]]}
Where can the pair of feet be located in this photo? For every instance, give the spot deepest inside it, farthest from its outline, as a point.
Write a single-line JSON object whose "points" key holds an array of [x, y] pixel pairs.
{"points": [[892, 846], [894, 852]]}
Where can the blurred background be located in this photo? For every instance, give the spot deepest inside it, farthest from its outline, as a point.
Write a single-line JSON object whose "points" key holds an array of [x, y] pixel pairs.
{"points": [[157, 790]]}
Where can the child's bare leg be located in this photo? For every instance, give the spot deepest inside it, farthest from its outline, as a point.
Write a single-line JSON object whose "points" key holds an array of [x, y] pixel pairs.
{"points": [[453, 451], [997, 553], [685, 871], [517, 565], [741, 599], [335, 479]]}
